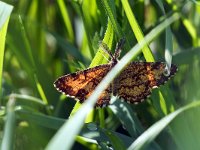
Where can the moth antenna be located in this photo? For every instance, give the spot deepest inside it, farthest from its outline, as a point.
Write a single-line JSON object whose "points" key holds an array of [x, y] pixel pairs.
{"points": [[118, 48], [106, 49]]}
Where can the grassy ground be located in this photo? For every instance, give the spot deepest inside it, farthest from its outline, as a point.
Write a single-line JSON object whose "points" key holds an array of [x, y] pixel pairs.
{"points": [[47, 39]]}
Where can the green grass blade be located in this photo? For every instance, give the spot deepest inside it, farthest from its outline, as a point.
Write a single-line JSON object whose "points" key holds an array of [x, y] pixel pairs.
{"points": [[9, 128], [89, 143], [150, 134], [77, 120], [127, 118], [66, 20], [191, 30], [108, 39], [40, 90], [115, 141], [136, 30], [109, 7], [5, 11], [29, 99], [168, 47], [168, 39], [40, 119]]}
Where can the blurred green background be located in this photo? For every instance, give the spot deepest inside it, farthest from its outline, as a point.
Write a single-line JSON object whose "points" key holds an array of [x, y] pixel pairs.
{"points": [[46, 39]]}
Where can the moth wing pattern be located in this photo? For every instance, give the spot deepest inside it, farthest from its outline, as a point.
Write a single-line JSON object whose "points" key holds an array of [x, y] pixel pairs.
{"points": [[81, 84], [136, 81]]}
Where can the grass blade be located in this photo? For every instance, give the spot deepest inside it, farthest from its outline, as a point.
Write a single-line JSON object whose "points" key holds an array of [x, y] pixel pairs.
{"points": [[109, 5], [150, 134], [66, 19], [127, 118], [5, 11], [8, 138], [136, 30]]}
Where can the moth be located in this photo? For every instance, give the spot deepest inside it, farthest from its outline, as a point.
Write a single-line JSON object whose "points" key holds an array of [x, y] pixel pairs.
{"points": [[133, 84]]}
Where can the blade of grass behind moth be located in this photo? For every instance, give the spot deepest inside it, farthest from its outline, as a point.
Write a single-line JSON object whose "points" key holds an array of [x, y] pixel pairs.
{"points": [[150, 134], [5, 11], [99, 59], [77, 120]]}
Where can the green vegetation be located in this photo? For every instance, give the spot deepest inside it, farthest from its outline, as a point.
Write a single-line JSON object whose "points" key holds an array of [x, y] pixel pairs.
{"points": [[42, 40]]}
